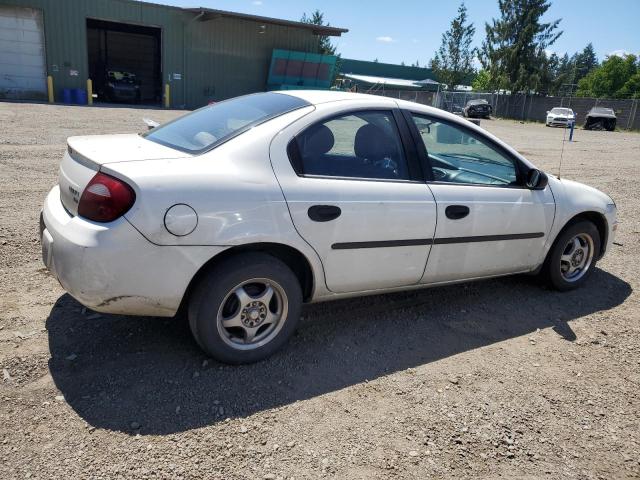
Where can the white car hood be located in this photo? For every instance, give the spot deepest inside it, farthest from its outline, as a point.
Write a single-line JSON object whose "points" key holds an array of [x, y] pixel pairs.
{"points": [[103, 149]]}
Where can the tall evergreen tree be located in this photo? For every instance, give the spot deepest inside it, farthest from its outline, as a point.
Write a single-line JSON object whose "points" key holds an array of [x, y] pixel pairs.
{"points": [[548, 74], [514, 49], [564, 82], [317, 18], [585, 61], [453, 62]]}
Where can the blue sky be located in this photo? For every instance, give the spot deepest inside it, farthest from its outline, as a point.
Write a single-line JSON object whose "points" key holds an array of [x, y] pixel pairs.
{"points": [[396, 31]]}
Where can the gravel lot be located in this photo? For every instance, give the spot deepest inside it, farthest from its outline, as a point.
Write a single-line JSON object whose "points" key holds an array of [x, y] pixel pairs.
{"points": [[499, 378]]}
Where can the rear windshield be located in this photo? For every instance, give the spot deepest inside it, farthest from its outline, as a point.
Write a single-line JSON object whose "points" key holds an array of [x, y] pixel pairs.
{"points": [[207, 127]]}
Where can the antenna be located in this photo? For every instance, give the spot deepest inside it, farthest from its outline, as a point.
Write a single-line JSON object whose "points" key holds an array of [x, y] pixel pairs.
{"points": [[571, 86], [564, 137]]}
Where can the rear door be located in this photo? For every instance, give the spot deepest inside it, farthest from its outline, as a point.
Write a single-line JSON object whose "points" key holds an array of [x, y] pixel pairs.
{"points": [[351, 183], [489, 223]]}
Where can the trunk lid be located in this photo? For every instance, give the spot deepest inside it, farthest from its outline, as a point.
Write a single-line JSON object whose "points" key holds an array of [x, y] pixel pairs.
{"points": [[102, 149], [86, 154]]}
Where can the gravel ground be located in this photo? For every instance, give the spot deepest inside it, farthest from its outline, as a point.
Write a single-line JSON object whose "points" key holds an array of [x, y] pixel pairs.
{"points": [[501, 378]]}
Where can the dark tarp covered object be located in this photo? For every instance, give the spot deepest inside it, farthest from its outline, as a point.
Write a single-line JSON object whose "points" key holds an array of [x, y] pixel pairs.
{"points": [[601, 118]]}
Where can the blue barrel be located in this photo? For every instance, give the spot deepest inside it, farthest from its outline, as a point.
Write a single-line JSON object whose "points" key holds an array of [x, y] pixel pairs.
{"points": [[66, 95], [79, 96]]}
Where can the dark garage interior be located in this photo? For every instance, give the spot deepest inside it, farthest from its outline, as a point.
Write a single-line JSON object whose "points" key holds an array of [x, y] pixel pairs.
{"points": [[124, 62]]}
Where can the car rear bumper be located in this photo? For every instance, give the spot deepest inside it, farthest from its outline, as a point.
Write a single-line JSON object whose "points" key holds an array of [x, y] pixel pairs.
{"points": [[111, 267]]}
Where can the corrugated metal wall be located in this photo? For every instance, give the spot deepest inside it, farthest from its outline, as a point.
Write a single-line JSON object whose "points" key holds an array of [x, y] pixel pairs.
{"points": [[225, 56], [229, 57], [66, 34]]}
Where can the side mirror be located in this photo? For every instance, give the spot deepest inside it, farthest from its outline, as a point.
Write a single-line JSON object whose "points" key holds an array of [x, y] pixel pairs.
{"points": [[151, 124], [536, 179]]}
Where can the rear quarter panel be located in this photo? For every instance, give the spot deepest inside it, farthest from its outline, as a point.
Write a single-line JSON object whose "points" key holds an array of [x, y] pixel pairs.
{"points": [[232, 188]]}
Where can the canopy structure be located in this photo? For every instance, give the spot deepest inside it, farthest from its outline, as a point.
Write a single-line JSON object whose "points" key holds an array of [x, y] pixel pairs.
{"points": [[388, 82], [205, 14]]}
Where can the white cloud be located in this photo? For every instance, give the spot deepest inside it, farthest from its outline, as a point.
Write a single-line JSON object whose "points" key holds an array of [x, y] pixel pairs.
{"points": [[256, 2], [619, 53], [385, 39]]}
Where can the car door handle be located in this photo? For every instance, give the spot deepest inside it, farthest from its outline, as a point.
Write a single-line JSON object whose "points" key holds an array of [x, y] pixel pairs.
{"points": [[456, 212], [324, 213]]}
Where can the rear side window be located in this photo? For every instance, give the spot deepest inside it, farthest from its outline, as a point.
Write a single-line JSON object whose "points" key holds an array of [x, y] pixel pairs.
{"points": [[363, 144], [207, 127]]}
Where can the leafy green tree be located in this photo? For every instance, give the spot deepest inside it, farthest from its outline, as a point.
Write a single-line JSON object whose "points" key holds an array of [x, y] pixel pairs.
{"points": [[631, 88], [453, 62], [482, 82], [317, 18], [615, 78], [513, 50]]}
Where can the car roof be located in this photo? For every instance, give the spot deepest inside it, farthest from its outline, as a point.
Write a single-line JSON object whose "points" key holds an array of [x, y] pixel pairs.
{"points": [[316, 97]]}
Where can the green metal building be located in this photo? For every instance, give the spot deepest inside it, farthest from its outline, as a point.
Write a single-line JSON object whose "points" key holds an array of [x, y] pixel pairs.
{"points": [[202, 54]]}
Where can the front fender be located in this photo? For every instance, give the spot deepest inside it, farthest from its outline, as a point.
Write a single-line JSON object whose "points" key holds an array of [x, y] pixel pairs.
{"points": [[574, 199]]}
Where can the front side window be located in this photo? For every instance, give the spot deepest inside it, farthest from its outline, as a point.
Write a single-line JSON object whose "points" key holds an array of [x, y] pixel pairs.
{"points": [[209, 126], [458, 155], [363, 144]]}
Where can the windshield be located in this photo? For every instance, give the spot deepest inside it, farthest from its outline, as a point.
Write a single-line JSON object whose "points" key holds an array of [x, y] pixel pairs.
{"points": [[123, 77], [562, 111], [209, 126], [606, 111]]}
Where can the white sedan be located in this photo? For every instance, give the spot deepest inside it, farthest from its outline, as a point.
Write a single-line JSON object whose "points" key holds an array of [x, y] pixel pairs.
{"points": [[560, 116], [241, 211]]}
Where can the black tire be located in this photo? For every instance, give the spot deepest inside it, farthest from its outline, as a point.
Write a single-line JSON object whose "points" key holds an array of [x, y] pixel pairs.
{"points": [[214, 293], [552, 269]]}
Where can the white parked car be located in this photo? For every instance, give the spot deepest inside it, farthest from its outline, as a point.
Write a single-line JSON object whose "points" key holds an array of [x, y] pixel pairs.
{"points": [[560, 116], [243, 210]]}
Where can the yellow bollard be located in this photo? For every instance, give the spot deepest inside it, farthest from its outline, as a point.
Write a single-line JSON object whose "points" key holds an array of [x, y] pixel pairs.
{"points": [[50, 88], [89, 91], [167, 96]]}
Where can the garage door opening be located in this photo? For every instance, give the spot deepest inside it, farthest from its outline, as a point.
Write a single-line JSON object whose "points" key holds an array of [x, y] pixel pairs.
{"points": [[22, 59], [124, 62]]}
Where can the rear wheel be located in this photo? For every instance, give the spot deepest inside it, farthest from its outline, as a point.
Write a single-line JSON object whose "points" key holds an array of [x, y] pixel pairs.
{"points": [[573, 256], [245, 308]]}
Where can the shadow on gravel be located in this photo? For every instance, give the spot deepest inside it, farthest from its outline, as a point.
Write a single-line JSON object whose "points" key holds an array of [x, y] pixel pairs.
{"points": [[115, 371]]}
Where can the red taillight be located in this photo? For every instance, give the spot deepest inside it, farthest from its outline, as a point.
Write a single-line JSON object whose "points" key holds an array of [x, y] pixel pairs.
{"points": [[105, 199]]}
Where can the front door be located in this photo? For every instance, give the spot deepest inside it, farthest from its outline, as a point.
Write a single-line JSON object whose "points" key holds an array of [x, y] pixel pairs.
{"points": [[354, 196], [489, 223]]}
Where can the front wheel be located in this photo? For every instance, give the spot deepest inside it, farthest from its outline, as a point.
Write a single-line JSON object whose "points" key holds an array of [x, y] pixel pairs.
{"points": [[573, 256], [245, 308]]}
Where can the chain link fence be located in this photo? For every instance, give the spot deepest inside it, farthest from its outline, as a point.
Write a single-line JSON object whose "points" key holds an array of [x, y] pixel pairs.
{"points": [[523, 107]]}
